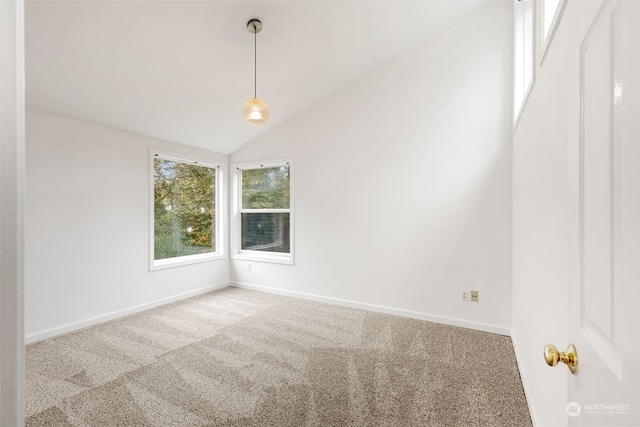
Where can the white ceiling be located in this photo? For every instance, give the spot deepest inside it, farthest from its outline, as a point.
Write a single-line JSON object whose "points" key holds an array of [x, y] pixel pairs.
{"points": [[181, 70]]}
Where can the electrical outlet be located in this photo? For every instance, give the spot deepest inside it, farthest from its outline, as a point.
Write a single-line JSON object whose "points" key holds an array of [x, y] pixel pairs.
{"points": [[249, 268], [474, 296], [464, 295]]}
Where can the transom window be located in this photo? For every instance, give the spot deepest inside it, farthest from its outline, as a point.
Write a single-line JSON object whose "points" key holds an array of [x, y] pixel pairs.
{"points": [[549, 8], [184, 209], [523, 55], [551, 13], [263, 223]]}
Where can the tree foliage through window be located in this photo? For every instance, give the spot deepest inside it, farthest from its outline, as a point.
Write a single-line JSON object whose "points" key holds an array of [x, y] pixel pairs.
{"points": [[184, 209], [267, 190]]}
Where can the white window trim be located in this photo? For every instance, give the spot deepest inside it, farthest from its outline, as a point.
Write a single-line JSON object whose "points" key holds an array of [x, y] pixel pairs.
{"points": [[236, 199], [547, 38], [529, 33], [219, 217]]}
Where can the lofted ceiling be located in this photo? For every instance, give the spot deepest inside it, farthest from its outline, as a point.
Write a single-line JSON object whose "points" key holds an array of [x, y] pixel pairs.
{"points": [[181, 70]]}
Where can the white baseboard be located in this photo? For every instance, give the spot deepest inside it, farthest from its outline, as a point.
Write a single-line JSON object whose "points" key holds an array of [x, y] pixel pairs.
{"points": [[70, 327], [523, 375], [485, 327]]}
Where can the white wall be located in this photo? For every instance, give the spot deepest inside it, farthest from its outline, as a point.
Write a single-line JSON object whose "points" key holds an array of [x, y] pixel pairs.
{"points": [[540, 215], [403, 182], [87, 227]]}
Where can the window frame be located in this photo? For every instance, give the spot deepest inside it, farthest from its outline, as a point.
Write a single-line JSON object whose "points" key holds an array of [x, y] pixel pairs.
{"points": [[546, 37], [219, 201], [236, 208], [528, 17]]}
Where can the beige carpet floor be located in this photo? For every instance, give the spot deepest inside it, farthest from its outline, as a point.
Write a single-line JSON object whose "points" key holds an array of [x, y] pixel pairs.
{"points": [[235, 357]]}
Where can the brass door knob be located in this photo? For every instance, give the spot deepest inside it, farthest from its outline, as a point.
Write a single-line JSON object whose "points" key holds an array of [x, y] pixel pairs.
{"points": [[570, 358]]}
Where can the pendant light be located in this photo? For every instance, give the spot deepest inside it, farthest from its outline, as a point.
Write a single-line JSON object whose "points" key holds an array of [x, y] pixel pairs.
{"points": [[255, 111]]}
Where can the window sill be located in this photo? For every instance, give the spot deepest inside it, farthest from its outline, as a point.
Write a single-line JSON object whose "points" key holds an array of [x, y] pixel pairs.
{"points": [[162, 264], [264, 257]]}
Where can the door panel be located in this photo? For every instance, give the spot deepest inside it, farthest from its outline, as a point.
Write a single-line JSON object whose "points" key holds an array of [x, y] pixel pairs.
{"points": [[599, 170], [605, 248]]}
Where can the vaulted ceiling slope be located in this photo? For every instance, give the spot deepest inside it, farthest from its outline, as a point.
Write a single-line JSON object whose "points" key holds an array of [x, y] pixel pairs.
{"points": [[181, 70]]}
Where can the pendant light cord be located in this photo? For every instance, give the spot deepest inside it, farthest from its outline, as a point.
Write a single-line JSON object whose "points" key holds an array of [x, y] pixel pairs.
{"points": [[255, 61]]}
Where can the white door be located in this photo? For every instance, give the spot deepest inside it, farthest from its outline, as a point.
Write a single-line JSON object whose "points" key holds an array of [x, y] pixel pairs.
{"points": [[604, 253]]}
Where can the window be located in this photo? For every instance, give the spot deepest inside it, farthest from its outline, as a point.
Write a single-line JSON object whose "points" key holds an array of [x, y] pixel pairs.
{"points": [[263, 204], [551, 13], [185, 220], [523, 55]]}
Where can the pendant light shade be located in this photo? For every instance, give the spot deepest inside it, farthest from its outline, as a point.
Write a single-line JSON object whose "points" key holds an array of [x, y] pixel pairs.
{"points": [[255, 111]]}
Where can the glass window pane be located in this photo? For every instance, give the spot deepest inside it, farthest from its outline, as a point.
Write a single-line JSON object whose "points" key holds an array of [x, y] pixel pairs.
{"points": [[266, 188], [523, 53], [268, 232], [184, 209], [549, 8]]}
